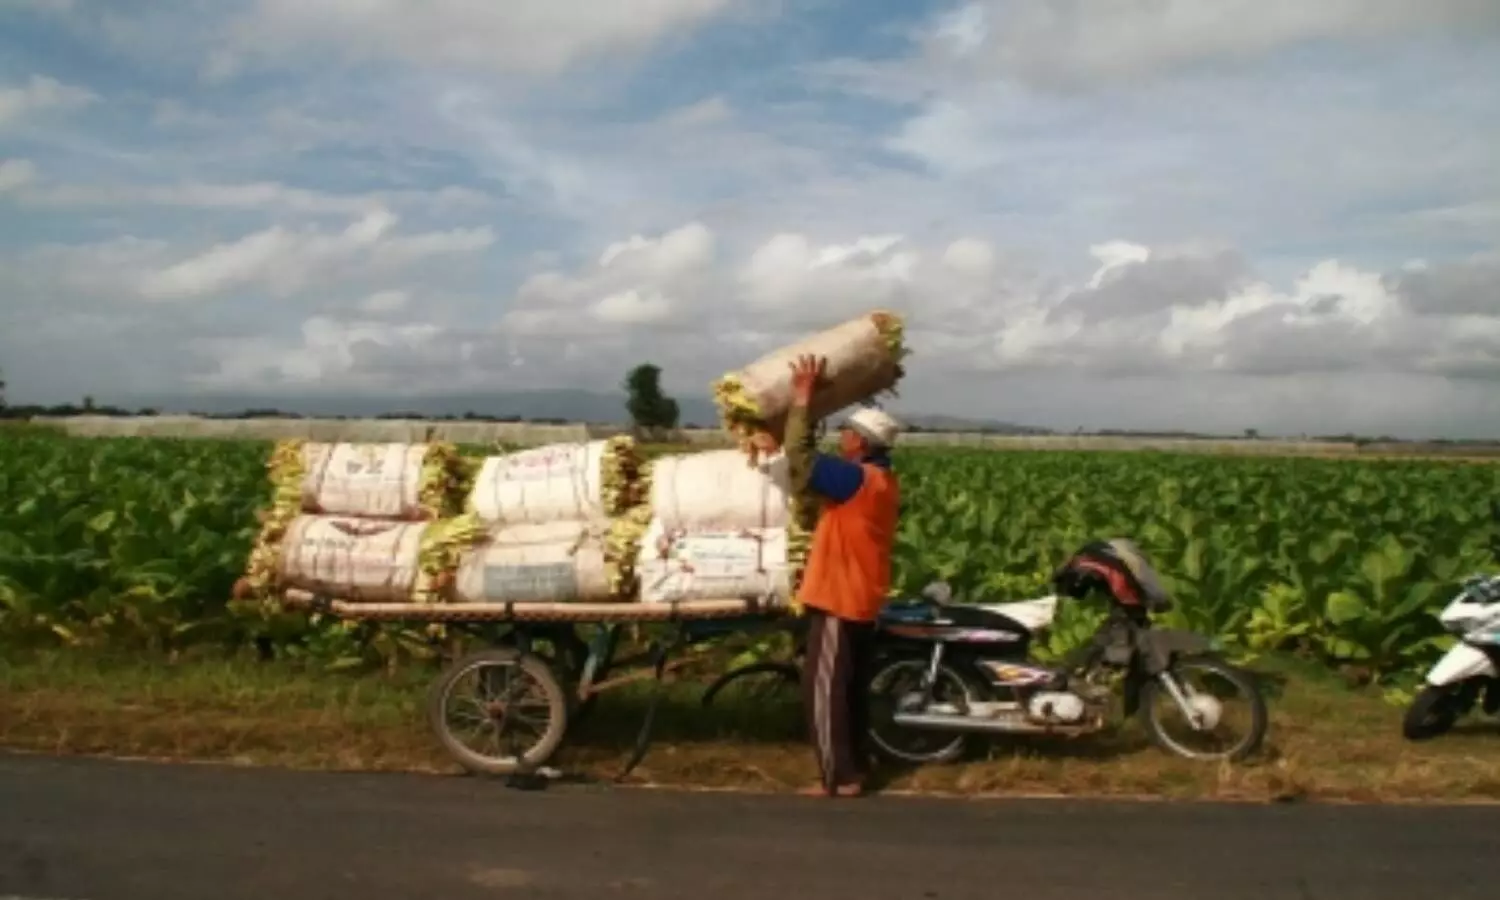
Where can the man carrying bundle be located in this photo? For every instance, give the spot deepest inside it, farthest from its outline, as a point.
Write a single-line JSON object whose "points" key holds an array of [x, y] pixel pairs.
{"points": [[847, 576]]}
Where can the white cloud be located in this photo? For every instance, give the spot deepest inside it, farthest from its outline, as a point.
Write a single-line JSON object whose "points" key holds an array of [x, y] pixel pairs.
{"points": [[640, 280], [283, 261], [792, 280], [40, 93], [518, 36], [1103, 41], [1038, 349], [261, 196], [1171, 315], [1181, 309], [16, 173], [632, 307], [1194, 307], [709, 111], [1395, 156], [322, 357], [1467, 288], [384, 302]]}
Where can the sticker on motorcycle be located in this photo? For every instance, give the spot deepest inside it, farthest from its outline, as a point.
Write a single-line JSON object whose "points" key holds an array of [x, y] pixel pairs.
{"points": [[1006, 673]]}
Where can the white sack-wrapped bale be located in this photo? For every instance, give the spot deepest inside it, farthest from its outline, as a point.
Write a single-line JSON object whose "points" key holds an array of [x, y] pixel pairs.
{"points": [[558, 482], [361, 560], [380, 482], [411, 482], [683, 566], [715, 490], [556, 562], [864, 359]]}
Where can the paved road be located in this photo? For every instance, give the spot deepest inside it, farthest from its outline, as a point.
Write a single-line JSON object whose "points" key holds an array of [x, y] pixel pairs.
{"points": [[88, 830]]}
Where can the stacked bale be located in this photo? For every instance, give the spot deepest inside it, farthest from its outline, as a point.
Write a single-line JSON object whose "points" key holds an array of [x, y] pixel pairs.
{"points": [[719, 530], [361, 522], [556, 523]]}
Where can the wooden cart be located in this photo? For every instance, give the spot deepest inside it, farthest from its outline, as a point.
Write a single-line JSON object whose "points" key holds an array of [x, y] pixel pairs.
{"points": [[538, 675]]}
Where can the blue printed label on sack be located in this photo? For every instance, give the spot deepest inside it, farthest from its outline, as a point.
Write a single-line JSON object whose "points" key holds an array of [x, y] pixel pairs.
{"points": [[535, 583]]}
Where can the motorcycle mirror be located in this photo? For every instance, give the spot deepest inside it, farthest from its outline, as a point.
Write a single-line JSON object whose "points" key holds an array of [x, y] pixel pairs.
{"points": [[938, 592]]}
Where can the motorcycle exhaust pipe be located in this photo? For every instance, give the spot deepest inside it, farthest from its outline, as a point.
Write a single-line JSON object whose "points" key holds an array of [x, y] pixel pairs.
{"points": [[1004, 725]]}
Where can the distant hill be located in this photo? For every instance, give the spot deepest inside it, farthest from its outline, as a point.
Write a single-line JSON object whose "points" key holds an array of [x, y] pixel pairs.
{"points": [[566, 405]]}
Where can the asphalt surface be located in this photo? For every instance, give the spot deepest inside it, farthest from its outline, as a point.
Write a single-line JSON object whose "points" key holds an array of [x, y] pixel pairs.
{"points": [[75, 829]]}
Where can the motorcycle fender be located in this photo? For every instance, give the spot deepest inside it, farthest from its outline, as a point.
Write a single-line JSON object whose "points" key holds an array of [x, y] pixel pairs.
{"points": [[1158, 647], [1461, 663]]}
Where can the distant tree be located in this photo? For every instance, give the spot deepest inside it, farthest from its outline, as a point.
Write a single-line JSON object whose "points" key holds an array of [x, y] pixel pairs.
{"points": [[649, 408], [88, 404], [1252, 434], [2, 390]]}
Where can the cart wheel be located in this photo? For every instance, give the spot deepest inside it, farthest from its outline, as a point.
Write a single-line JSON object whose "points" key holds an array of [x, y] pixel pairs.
{"points": [[496, 708], [782, 675], [565, 653]]}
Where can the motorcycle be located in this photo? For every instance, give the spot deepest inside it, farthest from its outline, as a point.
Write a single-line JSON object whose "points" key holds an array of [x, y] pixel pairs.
{"points": [[1470, 666], [946, 672]]}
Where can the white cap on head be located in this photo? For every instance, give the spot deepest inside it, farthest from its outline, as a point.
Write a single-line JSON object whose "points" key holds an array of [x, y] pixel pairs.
{"points": [[875, 426]]}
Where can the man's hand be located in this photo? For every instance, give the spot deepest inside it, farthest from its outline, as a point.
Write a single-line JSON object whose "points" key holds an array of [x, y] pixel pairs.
{"points": [[807, 372]]}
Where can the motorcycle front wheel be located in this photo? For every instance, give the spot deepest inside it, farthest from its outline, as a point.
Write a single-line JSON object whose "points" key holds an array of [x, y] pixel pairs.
{"points": [[893, 679], [1208, 704]]}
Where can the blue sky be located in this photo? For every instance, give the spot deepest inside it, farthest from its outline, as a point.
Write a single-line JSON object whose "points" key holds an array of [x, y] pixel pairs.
{"points": [[1209, 214]]}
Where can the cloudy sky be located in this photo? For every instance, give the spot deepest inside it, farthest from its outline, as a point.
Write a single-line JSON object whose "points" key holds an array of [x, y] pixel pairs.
{"points": [[1210, 214]]}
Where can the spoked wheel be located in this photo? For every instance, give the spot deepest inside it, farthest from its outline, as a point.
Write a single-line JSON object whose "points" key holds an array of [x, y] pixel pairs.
{"points": [[1216, 712], [898, 679], [494, 708], [757, 682], [567, 655], [1433, 712]]}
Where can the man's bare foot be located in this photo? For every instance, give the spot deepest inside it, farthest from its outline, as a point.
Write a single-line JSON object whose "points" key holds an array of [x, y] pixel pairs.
{"points": [[851, 789]]}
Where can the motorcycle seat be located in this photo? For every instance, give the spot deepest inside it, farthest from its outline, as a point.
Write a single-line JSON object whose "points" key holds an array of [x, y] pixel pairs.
{"points": [[980, 617], [1032, 615], [1025, 615]]}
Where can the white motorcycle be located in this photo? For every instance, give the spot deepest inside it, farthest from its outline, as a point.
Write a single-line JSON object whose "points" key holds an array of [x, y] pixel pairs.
{"points": [[1472, 665]]}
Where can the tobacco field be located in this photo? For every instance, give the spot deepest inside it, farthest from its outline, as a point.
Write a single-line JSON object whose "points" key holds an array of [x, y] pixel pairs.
{"points": [[134, 544]]}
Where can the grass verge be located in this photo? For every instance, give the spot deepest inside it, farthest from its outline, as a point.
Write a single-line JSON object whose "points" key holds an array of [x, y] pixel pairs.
{"points": [[1327, 742]]}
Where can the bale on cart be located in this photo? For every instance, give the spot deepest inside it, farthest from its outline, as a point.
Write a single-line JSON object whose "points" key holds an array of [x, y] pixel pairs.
{"points": [[557, 482], [719, 528], [360, 560], [408, 482]]}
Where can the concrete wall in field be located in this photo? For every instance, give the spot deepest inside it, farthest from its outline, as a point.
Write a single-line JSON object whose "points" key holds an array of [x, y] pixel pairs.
{"points": [[352, 430], [525, 434], [1105, 443]]}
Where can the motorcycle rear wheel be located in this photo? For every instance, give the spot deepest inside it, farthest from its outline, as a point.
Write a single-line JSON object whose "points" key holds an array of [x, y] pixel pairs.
{"points": [[1433, 712], [891, 678]]}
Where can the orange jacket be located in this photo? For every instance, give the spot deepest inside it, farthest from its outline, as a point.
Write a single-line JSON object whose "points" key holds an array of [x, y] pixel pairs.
{"points": [[848, 572]]}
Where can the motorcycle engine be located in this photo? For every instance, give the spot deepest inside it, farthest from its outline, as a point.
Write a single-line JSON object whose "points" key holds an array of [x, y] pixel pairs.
{"points": [[1057, 707]]}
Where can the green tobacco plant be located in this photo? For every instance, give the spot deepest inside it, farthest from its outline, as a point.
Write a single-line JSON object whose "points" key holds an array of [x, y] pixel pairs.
{"points": [[1280, 623], [124, 541], [1385, 616], [136, 543]]}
